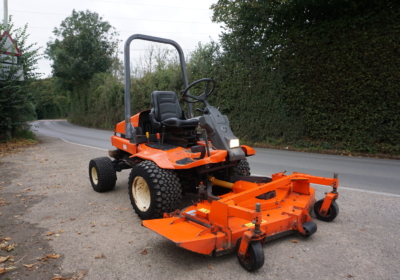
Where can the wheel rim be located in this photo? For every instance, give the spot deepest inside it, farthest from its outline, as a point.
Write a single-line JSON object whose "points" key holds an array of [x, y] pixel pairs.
{"points": [[141, 193], [95, 177]]}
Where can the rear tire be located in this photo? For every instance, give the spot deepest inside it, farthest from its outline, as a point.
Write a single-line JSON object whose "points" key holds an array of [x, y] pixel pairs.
{"points": [[102, 174], [153, 191]]}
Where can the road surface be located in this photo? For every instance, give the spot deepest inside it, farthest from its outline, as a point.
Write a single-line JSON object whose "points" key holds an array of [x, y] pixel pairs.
{"points": [[369, 174]]}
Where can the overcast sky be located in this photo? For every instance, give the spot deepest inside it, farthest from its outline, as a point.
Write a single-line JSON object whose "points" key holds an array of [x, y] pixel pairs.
{"points": [[185, 21]]}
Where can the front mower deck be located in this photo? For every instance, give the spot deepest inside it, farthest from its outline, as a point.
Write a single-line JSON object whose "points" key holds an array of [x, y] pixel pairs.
{"points": [[216, 225]]}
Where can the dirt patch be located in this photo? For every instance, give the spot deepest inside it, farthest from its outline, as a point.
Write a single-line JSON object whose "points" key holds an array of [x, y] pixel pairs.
{"points": [[7, 148], [25, 248]]}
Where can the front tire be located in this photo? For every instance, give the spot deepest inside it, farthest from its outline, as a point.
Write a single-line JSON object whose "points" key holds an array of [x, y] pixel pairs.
{"points": [[153, 191], [242, 169], [102, 174]]}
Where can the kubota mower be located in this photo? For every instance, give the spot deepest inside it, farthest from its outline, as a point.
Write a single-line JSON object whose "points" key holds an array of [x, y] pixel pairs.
{"points": [[170, 154]]}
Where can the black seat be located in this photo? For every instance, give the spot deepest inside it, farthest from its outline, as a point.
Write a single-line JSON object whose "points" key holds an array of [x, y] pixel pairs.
{"points": [[167, 112]]}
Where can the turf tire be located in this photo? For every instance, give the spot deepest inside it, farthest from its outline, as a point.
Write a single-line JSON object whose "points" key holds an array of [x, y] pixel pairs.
{"points": [[163, 192], [102, 174], [242, 169]]}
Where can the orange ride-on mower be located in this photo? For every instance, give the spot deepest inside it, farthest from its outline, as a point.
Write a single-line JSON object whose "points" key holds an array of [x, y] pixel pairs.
{"points": [[170, 155]]}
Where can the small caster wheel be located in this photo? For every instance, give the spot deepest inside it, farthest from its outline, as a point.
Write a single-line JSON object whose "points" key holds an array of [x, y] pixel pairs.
{"points": [[254, 258], [310, 228], [332, 213]]}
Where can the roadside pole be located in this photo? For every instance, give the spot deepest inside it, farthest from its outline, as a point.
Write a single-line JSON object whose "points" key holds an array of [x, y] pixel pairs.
{"points": [[5, 15]]}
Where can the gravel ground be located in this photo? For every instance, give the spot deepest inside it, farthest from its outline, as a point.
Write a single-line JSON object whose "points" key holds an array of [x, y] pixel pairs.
{"points": [[46, 188]]}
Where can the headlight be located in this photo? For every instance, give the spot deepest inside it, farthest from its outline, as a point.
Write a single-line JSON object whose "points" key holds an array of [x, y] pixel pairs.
{"points": [[234, 143]]}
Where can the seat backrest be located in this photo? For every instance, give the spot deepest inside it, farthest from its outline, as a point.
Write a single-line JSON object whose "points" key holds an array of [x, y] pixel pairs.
{"points": [[165, 105]]}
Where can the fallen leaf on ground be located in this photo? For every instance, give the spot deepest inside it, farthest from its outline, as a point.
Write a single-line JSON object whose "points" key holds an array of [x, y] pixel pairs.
{"points": [[61, 231], [117, 208], [7, 239], [349, 276], [2, 270], [3, 259], [11, 268], [100, 256], [59, 278], [50, 233], [53, 256], [10, 247], [293, 240], [56, 235], [79, 274], [29, 265], [144, 252], [72, 219]]}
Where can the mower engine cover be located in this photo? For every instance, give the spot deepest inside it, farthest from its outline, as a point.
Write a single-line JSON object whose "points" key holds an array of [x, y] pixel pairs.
{"points": [[220, 133]]}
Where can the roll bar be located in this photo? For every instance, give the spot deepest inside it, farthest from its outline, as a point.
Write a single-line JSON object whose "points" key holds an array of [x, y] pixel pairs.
{"points": [[128, 125]]}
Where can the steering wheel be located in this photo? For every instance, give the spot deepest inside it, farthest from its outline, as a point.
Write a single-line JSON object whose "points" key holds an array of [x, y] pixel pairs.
{"points": [[202, 97]]}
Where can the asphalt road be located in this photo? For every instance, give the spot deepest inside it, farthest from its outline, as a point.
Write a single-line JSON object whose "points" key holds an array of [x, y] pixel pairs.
{"points": [[368, 174]]}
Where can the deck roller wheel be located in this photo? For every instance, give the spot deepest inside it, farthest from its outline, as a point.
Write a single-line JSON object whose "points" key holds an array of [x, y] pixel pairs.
{"points": [[330, 215], [102, 174], [310, 228], [254, 258]]}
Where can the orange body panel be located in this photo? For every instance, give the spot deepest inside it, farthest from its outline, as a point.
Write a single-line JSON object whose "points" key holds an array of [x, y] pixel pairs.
{"points": [[248, 151], [168, 159], [178, 158], [215, 227], [120, 127]]}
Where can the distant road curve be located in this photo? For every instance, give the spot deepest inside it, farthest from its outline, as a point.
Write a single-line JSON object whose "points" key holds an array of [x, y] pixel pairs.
{"points": [[370, 174]]}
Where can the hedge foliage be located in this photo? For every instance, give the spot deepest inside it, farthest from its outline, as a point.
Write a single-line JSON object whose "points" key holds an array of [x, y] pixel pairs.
{"points": [[326, 71], [303, 72], [16, 101]]}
